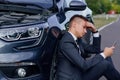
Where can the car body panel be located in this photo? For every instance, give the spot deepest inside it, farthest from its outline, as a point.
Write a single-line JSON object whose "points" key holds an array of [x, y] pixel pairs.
{"points": [[42, 3], [28, 39]]}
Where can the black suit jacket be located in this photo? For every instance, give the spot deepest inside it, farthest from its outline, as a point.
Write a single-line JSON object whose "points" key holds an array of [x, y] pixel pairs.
{"points": [[70, 63], [88, 49]]}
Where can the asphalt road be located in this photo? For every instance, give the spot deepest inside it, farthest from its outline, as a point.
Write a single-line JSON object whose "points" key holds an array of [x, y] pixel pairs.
{"points": [[111, 33]]}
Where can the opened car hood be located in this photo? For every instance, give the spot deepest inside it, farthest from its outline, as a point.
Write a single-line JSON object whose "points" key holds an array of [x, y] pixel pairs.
{"points": [[41, 3]]}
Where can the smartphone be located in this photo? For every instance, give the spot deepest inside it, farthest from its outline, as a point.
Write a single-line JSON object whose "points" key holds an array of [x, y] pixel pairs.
{"points": [[114, 43]]}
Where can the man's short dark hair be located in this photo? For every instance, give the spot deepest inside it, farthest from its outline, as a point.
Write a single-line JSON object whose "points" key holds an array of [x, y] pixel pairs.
{"points": [[79, 16]]}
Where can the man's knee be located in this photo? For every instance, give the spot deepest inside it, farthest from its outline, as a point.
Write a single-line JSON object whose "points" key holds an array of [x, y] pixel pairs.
{"points": [[104, 64]]}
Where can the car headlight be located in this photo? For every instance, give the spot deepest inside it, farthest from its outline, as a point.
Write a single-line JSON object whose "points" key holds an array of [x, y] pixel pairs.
{"points": [[19, 33]]}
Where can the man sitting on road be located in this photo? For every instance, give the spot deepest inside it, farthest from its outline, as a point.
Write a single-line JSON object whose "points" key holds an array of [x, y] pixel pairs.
{"points": [[72, 66]]}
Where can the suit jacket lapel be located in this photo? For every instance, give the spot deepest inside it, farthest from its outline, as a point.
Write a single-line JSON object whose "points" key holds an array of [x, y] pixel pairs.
{"points": [[70, 39]]}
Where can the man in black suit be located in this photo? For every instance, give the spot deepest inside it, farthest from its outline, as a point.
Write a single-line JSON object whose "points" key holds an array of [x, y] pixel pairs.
{"points": [[90, 48], [72, 66]]}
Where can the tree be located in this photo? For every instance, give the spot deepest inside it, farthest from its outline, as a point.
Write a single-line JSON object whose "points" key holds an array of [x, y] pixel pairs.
{"points": [[105, 5], [116, 5], [99, 6], [118, 1], [93, 6]]}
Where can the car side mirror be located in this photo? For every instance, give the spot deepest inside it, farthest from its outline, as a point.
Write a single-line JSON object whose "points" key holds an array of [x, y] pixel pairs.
{"points": [[76, 5]]}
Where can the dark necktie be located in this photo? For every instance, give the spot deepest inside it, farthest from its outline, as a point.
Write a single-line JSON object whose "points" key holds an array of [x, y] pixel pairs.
{"points": [[80, 46], [76, 42]]}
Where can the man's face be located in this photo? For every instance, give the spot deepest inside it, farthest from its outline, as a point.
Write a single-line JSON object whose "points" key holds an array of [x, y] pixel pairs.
{"points": [[81, 29]]}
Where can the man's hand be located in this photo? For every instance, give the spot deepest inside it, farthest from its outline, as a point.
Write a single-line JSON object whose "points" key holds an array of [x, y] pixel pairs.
{"points": [[91, 27], [108, 51]]}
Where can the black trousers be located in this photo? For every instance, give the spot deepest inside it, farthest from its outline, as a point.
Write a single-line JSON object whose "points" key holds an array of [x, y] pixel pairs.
{"points": [[105, 68]]}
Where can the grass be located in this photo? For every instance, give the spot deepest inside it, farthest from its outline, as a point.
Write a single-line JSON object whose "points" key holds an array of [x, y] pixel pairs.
{"points": [[101, 20]]}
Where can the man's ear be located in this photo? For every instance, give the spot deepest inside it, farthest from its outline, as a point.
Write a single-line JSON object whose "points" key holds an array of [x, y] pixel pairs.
{"points": [[74, 24]]}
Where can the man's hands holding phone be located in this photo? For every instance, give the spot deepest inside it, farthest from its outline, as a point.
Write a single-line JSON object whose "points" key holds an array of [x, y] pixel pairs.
{"points": [[114, 43], [108, 51]]}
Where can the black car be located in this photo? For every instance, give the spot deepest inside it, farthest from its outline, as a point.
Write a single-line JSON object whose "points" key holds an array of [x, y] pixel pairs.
{"points": [[28, 37]]}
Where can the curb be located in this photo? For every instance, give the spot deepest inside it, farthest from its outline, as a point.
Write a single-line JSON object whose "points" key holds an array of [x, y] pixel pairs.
{"points": [[107, 25]]}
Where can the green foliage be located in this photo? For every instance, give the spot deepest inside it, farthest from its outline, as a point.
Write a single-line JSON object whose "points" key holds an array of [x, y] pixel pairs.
{"points": [[116, 7], [93, 4], [103, 6], [118, 1]]}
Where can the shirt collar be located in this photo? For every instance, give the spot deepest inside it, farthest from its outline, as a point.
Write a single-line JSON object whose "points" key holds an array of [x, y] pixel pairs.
{"points": [[74, 37]]}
